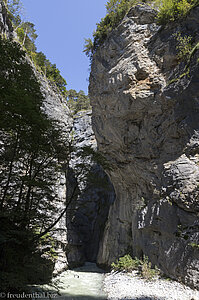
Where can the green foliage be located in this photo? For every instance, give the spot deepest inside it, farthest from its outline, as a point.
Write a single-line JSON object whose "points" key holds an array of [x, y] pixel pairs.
{"points": [[194, 245], [194, 49], [27, 36], [50, 70], [144, 267], [126, 263], [48, 245], [15, 10], [21, 260], [30, 141], [147, 271], [116, 10], [77, 100], [185, 52], [168, 10], [88, 47], [32, 152], [20, 91], [171, 10], [184, 46]]}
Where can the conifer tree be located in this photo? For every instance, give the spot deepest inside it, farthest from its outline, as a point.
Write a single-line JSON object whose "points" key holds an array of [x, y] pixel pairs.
{"points": [[77, 100]]}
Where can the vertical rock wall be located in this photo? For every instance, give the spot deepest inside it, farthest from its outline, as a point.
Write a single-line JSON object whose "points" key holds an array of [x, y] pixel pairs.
{"points": [[56, 109], [88, 213], [145, 118], [5, 24]]}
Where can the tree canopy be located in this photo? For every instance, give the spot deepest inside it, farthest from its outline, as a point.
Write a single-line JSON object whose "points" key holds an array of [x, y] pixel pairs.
{"points": [[32, 153], [27, 36], [77, 100]]}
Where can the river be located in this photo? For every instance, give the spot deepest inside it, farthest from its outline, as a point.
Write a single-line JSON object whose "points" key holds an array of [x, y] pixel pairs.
{"points": [[83, 283]]}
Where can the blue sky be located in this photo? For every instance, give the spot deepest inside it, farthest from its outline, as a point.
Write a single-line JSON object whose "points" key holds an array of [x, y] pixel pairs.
{"points": [[62, 26]]}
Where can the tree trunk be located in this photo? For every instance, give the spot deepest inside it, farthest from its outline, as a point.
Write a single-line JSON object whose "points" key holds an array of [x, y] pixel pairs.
{"points": [[10, 171]]}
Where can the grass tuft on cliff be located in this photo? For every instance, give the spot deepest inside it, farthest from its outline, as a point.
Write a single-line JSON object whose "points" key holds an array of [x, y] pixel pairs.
{"points": [[168, 10], [115, 12], [171, 10]]}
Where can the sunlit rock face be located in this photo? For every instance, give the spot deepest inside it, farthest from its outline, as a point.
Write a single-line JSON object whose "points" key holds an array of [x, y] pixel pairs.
{"points": [[145, 118], [5, 24], [56, 109]]}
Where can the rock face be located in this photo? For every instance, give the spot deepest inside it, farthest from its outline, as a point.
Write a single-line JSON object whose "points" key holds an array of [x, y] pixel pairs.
{"points": [[56, 109], [88, 214], [145, 118], [5, 23]]}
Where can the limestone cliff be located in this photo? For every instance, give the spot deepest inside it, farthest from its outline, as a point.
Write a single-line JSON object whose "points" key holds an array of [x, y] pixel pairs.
{"points": [[88, 213], [56, 109], [145, 118], [5, 23]]}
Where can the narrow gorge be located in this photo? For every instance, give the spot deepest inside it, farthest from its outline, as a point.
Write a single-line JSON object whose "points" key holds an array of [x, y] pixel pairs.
{"points": [[120, 178]]}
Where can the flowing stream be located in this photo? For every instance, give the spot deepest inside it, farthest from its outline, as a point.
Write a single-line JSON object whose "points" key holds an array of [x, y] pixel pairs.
{"points": [[83, 283]]}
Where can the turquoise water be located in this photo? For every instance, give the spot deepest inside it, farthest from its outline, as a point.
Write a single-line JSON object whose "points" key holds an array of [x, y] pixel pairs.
{"points": [[83, 283]]}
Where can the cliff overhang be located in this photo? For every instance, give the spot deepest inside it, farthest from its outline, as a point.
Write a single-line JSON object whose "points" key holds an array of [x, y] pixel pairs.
{"points": [[145, 118]]}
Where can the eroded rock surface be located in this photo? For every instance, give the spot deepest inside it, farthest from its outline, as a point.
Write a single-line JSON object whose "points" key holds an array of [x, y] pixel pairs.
{"points": [[56, 109], [145, 118], [88, 213]]}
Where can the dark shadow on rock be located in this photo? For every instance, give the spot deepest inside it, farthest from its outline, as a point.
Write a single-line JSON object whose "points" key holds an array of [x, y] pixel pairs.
{"points": [[87, 216]]}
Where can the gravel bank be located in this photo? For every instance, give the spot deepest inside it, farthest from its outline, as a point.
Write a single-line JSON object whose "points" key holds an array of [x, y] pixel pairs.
{"points": [[121, 286]]}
